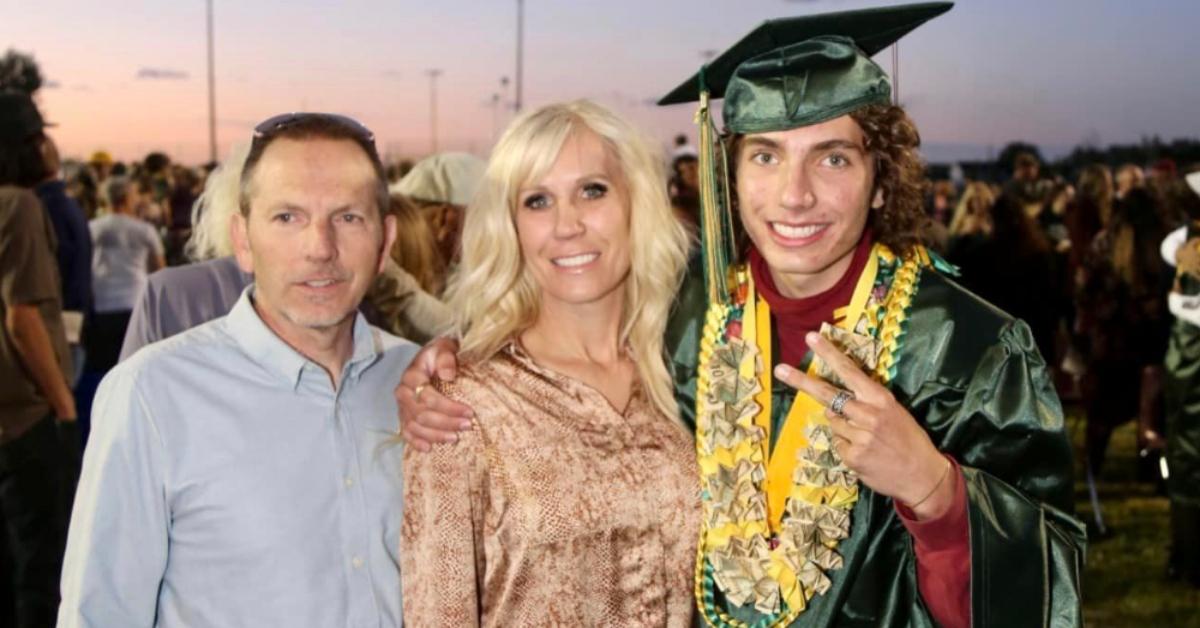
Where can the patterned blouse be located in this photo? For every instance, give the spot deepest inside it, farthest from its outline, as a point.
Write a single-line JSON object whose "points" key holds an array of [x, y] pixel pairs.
{"points": [[554, 510]]}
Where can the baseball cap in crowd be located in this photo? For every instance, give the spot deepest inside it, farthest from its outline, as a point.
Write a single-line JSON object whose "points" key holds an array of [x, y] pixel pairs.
{"points": [[443, 178]]}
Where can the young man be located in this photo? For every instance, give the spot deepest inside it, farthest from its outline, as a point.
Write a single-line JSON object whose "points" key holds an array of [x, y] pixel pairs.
{"points": [[243, 473], [921, 474]]}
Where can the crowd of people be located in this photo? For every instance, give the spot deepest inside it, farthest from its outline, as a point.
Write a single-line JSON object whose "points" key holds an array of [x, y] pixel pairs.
{"points": [[778, 377]]}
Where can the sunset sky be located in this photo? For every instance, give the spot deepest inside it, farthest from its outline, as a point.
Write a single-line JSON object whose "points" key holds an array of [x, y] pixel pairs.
{"points": [[130, 77]]}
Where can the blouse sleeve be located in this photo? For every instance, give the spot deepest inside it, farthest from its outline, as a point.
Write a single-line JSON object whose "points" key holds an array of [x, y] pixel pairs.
{"points": [[441, 546]]}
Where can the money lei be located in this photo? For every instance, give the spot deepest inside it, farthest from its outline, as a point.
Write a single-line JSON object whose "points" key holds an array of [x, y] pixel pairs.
{"points": [[779, 576]]}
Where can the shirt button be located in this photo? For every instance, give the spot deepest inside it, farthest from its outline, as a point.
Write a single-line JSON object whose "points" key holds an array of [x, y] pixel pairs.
{"points": [[357, 562], [349, 482]]}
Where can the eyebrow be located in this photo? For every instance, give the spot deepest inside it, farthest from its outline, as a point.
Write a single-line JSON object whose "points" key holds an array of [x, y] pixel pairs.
{"points": [[838, 143]]}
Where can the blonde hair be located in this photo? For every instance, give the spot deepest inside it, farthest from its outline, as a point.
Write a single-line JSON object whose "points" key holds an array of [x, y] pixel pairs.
{"points": [[493, 294], [216, 205], [415, 249], [974, 210]]}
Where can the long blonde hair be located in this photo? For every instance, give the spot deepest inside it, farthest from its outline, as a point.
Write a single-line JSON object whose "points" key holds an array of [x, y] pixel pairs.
{"points": [[973, 212], [493, 294]]}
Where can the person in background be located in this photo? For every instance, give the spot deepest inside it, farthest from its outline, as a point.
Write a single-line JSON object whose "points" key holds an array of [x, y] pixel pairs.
{"points": [[1129, 177], [1182, 250], [1122, 312], [39, 442], [441, 186], [126, 249], [684, 190], [74, 252], [179, 298]]}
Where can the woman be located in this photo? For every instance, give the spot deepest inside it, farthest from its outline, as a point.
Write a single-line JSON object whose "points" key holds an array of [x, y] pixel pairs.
{"points": [[573, 500], [1123, 315]]}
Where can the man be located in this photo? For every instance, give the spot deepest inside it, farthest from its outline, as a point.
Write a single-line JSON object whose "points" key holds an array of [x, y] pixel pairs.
{"points": [[922, 474], [244, 473], [37, 410]]}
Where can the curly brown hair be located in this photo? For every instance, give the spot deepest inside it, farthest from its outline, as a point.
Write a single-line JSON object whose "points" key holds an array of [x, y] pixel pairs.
{"points": [[892, 138]]}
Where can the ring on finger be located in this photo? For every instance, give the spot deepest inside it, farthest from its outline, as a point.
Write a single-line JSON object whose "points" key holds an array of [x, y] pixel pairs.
{"points": [[838, 404], [417, 392]]}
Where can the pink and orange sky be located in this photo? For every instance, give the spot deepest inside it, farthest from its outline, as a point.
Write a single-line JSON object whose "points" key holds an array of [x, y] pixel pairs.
{"points": [[130, 76]]}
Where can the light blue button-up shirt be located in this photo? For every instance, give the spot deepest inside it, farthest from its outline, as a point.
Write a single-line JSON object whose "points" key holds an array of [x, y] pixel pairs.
{"points": [[226, 484]]}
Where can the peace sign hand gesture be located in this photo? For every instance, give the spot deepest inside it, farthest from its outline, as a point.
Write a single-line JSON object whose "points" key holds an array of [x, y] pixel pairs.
{"points": [[876, 436]]}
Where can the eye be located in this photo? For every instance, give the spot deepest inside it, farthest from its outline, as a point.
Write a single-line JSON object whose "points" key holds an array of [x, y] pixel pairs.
{"points": [[837, 160], [536, 201], [284, 217], [763, 158], [593, 191], [351, 218]]}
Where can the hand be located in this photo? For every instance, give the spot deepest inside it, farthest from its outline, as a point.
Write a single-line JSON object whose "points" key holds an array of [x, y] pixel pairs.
{"points": [[430, 417], [876, 437], [1152, 440]]}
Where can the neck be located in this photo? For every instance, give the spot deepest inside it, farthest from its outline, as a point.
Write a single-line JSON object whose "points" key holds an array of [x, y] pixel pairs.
{"points": [[573, 332], [803, 285], [328, 347]]}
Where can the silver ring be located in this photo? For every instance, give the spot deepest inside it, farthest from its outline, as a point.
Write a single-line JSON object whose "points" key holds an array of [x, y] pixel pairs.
{"points": [[417, 392], [839, 402]]}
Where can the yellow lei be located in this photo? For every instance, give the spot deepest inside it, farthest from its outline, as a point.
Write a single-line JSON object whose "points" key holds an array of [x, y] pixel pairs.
{"points": [[773, 520]]}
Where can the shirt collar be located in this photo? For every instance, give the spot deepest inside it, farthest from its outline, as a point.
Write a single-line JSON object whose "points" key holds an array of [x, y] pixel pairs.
{"points": [[270, 351]]}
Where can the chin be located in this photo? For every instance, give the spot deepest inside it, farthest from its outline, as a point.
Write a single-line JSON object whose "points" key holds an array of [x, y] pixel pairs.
{"points": [[318, 319]]}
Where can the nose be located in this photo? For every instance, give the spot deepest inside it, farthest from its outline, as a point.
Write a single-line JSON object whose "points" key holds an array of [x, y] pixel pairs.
{"points": [[568, 220], [320, 241], [797, 191]]}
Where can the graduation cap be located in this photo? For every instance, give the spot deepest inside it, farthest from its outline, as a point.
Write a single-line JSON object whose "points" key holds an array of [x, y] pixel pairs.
{"points": [[798, 71]]}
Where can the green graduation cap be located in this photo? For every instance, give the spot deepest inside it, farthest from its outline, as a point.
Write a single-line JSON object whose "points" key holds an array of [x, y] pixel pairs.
{"points": [[797, 71]]}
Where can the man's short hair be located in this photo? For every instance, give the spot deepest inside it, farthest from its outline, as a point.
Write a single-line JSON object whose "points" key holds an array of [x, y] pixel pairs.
{"points": [[116, 190], [309, 127]]}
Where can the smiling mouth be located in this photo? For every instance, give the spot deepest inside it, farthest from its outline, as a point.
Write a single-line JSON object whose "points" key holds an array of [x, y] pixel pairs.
{"points": [[575, 261], [319, 283], [797, 232]]}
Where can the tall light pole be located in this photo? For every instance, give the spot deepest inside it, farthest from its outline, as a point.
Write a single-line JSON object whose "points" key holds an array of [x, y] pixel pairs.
{"points": [[520, 51], [212, 90], [433, 75]]}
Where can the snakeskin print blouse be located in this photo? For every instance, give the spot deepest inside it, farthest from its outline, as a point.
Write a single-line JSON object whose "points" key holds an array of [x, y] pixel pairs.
{"points": [[554, 510]]}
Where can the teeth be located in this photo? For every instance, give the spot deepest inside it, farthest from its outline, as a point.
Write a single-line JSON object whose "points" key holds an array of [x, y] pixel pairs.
{"points": [[319, 284], [789, 231], [576, 260]]}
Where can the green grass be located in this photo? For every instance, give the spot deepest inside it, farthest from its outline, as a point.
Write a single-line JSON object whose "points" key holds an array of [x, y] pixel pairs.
{"points": [[1124, 581]]}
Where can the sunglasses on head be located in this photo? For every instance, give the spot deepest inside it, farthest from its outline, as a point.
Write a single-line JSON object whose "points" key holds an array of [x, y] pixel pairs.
{"points": [[275, 124]]}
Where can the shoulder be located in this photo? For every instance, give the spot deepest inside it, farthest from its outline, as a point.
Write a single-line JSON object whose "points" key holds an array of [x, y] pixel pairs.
{"points": [[208, 342], [19, 208], [949, 329], [395, 350], [484, 381]]}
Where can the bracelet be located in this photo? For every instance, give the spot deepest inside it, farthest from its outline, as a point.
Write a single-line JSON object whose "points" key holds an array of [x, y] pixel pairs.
{"points": [[933, 490]]}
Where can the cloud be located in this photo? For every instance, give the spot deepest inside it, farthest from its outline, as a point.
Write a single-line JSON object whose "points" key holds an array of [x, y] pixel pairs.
{"points": [[164, 74], [51, 84], [392, 74]]}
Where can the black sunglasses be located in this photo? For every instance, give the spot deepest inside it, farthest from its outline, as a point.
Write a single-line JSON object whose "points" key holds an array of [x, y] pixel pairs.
{"points": [[275, 124]]}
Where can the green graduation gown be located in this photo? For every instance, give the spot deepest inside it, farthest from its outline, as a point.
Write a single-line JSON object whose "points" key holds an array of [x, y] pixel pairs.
{"points": [[973, 377]]}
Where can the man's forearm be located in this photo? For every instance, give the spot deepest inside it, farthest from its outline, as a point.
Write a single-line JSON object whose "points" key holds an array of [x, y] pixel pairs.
{"points": [[31, 339]]}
